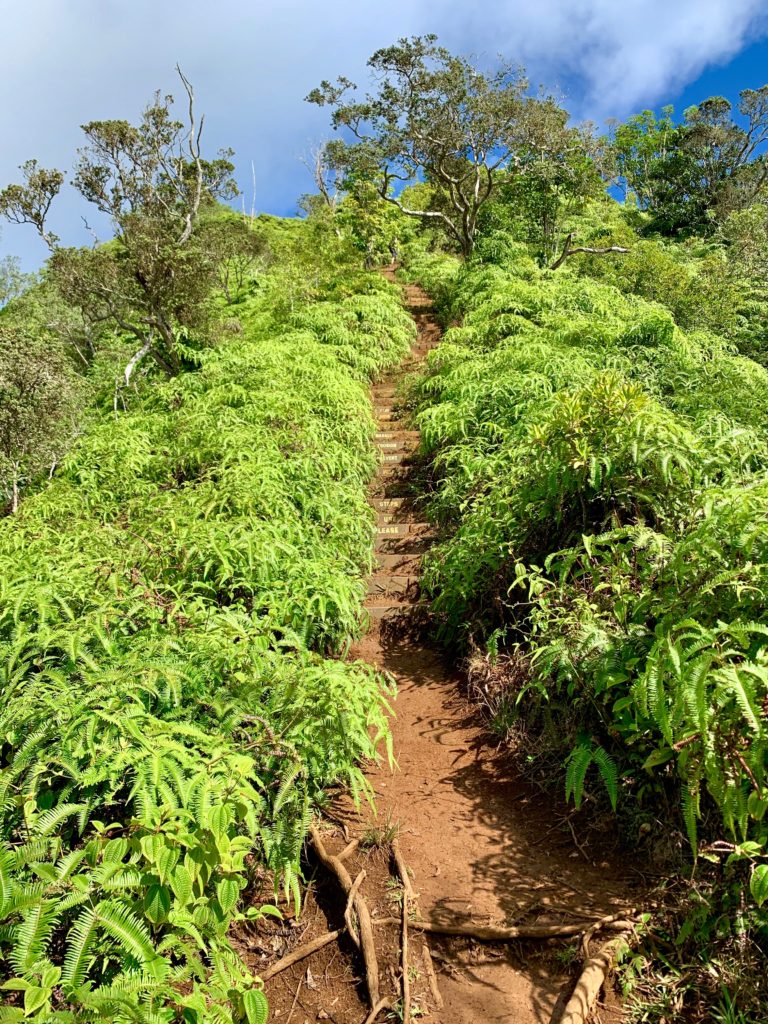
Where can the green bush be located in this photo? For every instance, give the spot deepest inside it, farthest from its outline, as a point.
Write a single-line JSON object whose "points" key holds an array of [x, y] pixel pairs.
{"points": [[599, 482]]}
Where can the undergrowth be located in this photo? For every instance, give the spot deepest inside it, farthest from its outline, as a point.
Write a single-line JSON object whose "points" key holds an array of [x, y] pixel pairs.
{"points": [[170, 608], [599, 480]]}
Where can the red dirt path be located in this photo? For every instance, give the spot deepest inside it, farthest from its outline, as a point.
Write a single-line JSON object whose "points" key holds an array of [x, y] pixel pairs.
{"points": [[482, 844]]}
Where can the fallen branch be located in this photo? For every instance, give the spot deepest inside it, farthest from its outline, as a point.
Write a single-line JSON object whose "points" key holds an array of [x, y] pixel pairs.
{"points": [[591, 980], [299, 954], [367, 943], [295, 1000], [578, 845], [491, 933], [402, 870]]}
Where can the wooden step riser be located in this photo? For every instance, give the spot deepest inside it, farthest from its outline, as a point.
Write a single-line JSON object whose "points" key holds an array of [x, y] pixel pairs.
{"points": [[398, 565], [402, 530], [404, 547], [389, 486], [388, 504], [400, 587], [395, 447], [393, 610]]}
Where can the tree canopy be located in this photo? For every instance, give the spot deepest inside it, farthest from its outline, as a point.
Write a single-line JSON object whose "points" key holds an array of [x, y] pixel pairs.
{"points": [[690, 174], [437, 117]]}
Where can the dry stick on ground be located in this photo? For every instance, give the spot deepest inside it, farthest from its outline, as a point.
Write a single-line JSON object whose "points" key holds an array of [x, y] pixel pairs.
{"points": [[579, 847], [367, 944], [491, 933], [299, 954], [295, 1000], [591, 980], [408, 893]]}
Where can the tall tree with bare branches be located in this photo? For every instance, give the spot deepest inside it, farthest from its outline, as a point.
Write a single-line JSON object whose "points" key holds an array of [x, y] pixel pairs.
{"points": [[151, 180]]}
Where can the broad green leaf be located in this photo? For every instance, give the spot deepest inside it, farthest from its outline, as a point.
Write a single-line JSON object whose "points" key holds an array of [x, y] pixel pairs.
{"points": [[758, 884]]}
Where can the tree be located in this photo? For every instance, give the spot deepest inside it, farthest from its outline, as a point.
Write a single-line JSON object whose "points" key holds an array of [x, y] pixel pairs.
{"points": [[745, 235], [39, 397], [326, 174], [12, 281], [152, 281], [236, 251], [691, 175], [436, 117], [538, 207]]}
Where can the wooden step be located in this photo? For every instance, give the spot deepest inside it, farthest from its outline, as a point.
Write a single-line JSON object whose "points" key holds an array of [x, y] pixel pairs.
{"points": [[397, 515], [400, 516], [402, 529], [392, 485], [402, 587], [397, 435], [404, 545], [399, 444], [386, 609], [398, 564], [391, 472], [388, 504]]}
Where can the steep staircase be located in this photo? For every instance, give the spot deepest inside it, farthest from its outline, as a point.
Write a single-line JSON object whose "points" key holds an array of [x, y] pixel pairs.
{"points": [[401, 534]]}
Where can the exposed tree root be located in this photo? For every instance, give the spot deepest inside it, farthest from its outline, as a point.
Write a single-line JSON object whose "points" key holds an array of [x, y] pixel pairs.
{"points": [[402, 870], [382, 1004], [431, 976], [591, 980], [349, 849], [367, 944], [348, 909], [491, 933]]}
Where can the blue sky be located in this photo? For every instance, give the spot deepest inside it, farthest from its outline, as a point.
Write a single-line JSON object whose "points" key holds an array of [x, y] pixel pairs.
{"points": [[70, 61]]}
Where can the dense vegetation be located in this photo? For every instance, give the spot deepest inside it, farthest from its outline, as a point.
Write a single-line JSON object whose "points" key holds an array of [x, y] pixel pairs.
{"points": [[185, 442], [600, 482], [595, 428], [169, 605]]}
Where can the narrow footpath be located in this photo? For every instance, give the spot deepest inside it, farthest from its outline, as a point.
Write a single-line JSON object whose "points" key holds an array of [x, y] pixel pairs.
{"points": [[473, 834], [482, 845]]}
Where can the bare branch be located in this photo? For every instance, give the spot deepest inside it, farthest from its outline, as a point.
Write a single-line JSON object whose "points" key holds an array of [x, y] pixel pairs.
{"points": [[194, 151], [569, 250]]}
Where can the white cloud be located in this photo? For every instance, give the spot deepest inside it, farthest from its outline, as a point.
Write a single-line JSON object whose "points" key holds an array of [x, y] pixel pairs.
{"points": [[615, 56], [68, 61]]}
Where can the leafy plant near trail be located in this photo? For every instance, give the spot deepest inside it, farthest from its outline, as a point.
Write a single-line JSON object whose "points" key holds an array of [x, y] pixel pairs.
{"points": [[600, 481], [168, 606]]}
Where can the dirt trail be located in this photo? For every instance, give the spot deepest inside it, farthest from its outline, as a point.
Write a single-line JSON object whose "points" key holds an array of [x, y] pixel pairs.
{"points": [[474, 835], [483, 845]]}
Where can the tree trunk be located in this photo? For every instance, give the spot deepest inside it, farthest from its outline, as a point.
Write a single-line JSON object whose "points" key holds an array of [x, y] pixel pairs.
{"points": [[15, 488]]}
